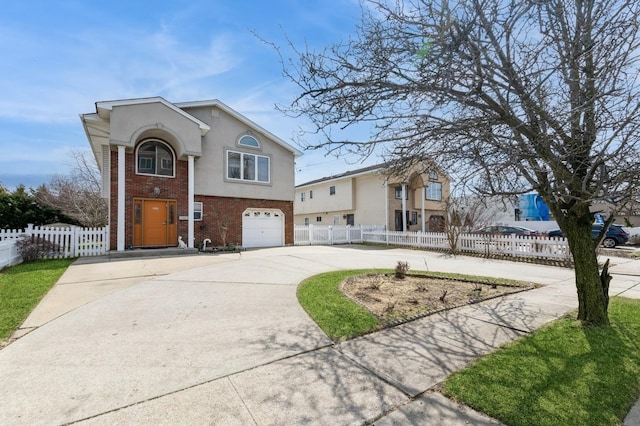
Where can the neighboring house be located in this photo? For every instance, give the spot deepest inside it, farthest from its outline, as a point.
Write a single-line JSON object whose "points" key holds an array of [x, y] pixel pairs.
{"points": [[367, 197], [194, 170]]}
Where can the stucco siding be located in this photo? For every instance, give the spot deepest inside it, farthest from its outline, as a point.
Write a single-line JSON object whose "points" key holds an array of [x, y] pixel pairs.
{"points": [[370, 192], [210, 168], [323, 200], [371, 202], [130, 123]]}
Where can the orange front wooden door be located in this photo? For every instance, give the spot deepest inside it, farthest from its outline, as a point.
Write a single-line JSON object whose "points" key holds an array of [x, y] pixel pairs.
{"points": [[154, 223]]}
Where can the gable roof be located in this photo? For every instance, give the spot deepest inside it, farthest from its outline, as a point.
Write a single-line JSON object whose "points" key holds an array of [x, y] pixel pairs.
{"points": [[378, 168], [220, 105], [361, 171], [104, 109], [96, 125]]}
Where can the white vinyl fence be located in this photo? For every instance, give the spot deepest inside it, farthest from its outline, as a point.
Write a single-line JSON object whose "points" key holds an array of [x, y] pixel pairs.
{"points": [[9, 253], [329, 235], [60, 242], [488, 245]]}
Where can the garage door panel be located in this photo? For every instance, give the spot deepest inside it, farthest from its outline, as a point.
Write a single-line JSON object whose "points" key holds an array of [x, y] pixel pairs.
{"points": [[262, 228]]}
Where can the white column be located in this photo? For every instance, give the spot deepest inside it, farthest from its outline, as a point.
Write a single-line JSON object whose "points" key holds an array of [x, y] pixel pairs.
{"points": [[386, 205], [404, 208], [422, 207], [191, 237], [121, 200]]}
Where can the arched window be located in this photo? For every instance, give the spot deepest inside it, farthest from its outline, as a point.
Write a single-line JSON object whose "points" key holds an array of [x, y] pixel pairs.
{"points": [[155, 158], [250, 141]]}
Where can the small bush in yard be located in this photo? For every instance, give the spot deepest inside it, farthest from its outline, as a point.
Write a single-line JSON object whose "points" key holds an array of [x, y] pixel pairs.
{"points": [[34, 248], [401, 269]]}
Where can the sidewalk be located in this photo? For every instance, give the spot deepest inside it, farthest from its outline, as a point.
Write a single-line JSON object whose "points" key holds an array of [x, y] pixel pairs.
{"points": [[284, 373]]}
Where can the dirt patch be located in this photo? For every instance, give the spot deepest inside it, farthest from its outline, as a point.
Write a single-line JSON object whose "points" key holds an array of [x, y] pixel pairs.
{"points": [[393, 299]]}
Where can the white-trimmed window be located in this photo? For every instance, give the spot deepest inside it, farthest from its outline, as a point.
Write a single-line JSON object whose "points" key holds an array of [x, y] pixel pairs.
{"points": [[250, 141], [434, 191], [248, 167], [306, 221], [197, 210], [302, 196], [332, 190], [310, 194], [155, 158], [318, 218], [336, 219]]}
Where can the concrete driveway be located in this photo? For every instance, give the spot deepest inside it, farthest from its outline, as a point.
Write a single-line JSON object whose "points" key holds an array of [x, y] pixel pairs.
{"points": [[220, 339]]}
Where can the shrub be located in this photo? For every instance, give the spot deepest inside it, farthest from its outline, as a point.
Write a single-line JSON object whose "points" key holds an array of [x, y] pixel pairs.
{"points": [[34, 248], [401, 269]]}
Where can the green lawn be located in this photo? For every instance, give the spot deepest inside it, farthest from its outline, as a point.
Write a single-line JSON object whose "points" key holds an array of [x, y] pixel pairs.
{"points": [[22, 287], [336, 315], [339, 317], [563, 374]]}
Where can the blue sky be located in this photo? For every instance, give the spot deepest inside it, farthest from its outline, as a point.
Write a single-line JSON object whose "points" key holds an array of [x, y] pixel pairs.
{"points": [[60, 57]]}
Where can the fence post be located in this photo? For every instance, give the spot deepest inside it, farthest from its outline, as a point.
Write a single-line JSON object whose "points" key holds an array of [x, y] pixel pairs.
{"points": [[310, 234], [107, 238], [330, 235], [73, 250]]}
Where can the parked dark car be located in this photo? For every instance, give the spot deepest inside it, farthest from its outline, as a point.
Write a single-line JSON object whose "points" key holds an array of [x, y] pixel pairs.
{"points": [[506, 230], [615, 235]]}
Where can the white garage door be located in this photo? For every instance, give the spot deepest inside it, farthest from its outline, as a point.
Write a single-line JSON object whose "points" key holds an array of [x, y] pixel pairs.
{"points": [[262, 228]]}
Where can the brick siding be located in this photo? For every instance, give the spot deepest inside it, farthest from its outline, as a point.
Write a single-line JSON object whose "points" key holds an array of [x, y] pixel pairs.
{"points": [[215, 209]]}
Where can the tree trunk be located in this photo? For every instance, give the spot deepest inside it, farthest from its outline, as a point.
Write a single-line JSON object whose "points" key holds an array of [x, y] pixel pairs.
{"points": [[593, 297]]}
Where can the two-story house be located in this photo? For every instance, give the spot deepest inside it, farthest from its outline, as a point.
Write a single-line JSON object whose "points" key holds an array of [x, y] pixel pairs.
{"points": [[368, 196], [190, 171]]}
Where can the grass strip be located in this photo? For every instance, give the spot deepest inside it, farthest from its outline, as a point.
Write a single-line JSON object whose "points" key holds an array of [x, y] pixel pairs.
{"points": [[562, 374], [22, 287], [337, 316], [340, 318]]}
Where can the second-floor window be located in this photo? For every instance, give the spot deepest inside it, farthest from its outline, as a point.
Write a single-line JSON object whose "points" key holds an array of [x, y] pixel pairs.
{"points": [[302, 196], [248, 167], [332, 190], [434, 191], [399, 193]]}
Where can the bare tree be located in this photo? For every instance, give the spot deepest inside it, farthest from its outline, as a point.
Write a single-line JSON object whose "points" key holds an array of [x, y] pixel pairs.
{"points": [[462, 215], [507, 96], [77, 194]]}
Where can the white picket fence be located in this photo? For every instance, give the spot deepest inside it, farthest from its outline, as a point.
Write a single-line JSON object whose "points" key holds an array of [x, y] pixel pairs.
{"points": [[488, 245], [329, 235], [60, 242]]}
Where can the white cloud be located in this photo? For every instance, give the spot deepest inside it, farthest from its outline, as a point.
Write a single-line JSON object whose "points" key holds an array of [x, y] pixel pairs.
{"points": [[92, 67]]}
